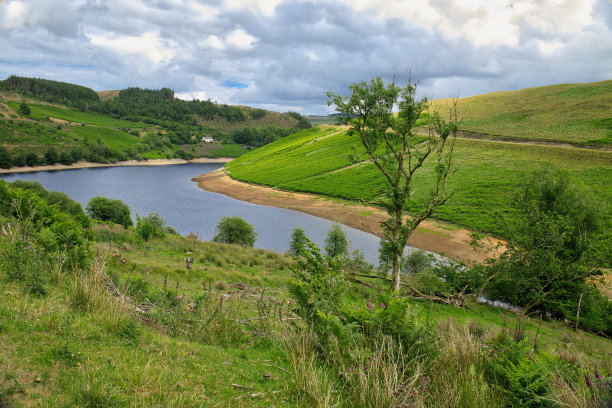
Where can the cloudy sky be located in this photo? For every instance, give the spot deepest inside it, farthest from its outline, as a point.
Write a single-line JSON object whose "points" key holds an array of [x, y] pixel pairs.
{"points": [[285, 54]]}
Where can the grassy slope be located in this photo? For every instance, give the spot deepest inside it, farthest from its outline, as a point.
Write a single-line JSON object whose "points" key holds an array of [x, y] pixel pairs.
{"points": [[115, 139], [489, 172], [55, 354], [577, 113], [39, 112]]}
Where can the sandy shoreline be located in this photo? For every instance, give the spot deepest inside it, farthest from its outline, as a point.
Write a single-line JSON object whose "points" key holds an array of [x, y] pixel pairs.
{"points": [[431, 235], [85, 165]]}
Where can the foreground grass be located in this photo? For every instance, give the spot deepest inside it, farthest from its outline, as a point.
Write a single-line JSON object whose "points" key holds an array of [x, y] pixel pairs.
{"points": [[100, 338]]}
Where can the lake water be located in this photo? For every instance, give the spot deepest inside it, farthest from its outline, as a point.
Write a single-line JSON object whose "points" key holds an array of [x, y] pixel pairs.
{"points": [[169, 191]]}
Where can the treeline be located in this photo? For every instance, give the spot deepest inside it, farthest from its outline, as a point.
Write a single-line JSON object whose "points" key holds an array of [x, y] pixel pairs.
{"points": [[258, 137], [157, 106], [53, 91]]}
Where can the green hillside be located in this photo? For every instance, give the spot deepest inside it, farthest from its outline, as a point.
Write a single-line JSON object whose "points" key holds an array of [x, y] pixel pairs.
{"points": [[133, 123], [573, 113], [489, 172]]}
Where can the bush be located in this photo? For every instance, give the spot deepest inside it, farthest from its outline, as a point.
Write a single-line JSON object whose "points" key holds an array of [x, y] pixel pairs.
{"points": [[24, 109], [298, 242], [336, 244], [235, 230], [51, 156], [105, 209], [151, 226]]}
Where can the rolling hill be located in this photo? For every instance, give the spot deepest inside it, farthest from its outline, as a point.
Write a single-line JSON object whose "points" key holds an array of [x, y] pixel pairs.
{"points": [[491, 167], [579, 114]]}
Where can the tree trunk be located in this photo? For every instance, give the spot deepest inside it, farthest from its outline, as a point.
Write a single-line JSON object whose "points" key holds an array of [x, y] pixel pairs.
{"points": [[397, 272]]}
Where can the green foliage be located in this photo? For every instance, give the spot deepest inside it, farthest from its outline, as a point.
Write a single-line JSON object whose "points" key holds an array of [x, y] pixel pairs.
{"points": [[151, 226], [24, 109], [388, 142], [235, 230], [6, 159], [258, 137], [418, 261], [550, 258], [105, 209], [318, 286], [303, 123], [336, 244], [51, 156], [298, 241], [51, 91]]}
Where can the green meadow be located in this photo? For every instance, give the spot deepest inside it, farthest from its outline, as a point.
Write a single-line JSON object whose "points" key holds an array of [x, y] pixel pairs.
{"points": [[39, 112], [115, 139]]}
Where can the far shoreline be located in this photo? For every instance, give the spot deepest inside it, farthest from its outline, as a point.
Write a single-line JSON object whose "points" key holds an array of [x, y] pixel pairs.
{"points": [[87, 165]]}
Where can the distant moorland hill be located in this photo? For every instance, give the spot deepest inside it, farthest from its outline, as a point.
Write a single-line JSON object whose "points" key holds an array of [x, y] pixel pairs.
{"points": [[72, 122]]}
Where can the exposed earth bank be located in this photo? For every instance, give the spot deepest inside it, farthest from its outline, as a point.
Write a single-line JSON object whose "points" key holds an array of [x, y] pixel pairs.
{"points": [[84, 164], [431, 235]]}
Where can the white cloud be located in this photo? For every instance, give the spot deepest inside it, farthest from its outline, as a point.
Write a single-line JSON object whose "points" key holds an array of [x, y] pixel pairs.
{"points": [[13, 15], [147, 45], [240, 39], [265, 7], [486, 22]]}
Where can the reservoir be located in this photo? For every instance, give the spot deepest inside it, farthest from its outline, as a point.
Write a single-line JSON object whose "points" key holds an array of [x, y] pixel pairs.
{"points": [[169, 191]]}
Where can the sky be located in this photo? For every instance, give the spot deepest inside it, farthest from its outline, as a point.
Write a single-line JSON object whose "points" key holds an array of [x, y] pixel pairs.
{"points": [[286, 54]]}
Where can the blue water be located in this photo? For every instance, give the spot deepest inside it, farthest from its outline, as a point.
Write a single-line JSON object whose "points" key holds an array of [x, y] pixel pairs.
{"points": [[169, 191]]}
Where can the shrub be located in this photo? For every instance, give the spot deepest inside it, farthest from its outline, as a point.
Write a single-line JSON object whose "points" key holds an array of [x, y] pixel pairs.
{"points": [[336, 243], [51, 156], [235, 230], [151, 226], [298, 241], [105, 209], [24, 109]]}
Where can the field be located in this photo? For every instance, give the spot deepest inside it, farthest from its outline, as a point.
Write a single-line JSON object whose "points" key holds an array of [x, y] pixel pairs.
{"points": [[39, 112], [580, 114], [115, 139], [488, 175]]}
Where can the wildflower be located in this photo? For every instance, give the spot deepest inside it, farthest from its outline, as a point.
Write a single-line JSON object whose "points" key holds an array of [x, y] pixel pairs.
{"points": [[586, 380], [369, 305], [597, 374], [382, 306]]}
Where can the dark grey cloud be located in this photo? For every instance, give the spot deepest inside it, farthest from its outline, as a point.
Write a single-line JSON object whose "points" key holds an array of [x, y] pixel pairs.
{"points": [[289, 58]]}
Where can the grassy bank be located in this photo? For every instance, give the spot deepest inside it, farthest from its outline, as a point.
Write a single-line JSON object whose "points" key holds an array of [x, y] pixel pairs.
{"points": [[317, 161]]}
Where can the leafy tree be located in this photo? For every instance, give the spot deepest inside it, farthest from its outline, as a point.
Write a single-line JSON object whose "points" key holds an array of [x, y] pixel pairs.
{"points": [[151, 226], [550, 259], [24, 109], [298, 242], [391, 143], [417, 262], [6, 160], [51, 156], [235, 230], [31, 159], [335, 243], [105, 209]]}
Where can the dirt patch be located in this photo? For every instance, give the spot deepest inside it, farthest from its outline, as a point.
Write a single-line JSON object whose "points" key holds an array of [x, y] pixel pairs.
{"points": [[83, 164], [433, 236]]}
